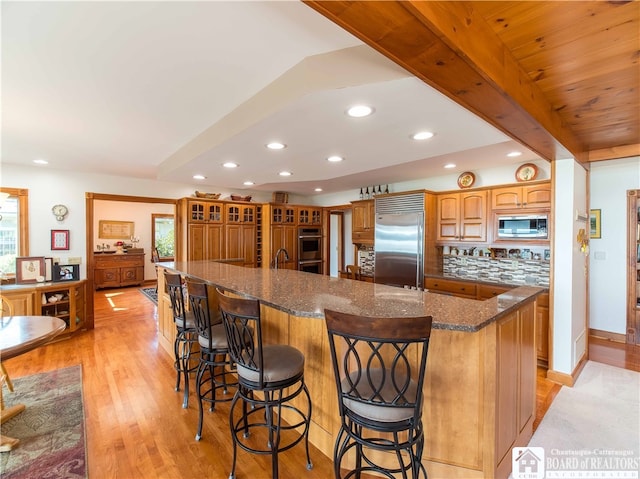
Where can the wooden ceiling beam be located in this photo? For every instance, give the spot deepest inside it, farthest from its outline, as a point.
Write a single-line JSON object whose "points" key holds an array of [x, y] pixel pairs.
{"points": [[614, 153], [450, 47]]}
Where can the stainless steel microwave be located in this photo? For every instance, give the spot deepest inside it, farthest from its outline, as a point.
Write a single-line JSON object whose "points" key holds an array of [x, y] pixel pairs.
{"points": [[523, 227]]}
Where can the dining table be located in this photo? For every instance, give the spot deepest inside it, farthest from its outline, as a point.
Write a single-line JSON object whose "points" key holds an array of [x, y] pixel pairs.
{"points": [[19, 335]]}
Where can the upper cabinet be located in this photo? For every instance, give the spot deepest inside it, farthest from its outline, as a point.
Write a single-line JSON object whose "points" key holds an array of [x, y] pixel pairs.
{"points": [[283, 215], [462, 216], [308, 215], [204, 212], [363, 221], [525, 197], [241, 214]]}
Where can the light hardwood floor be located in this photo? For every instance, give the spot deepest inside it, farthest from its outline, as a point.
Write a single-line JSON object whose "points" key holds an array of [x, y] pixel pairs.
{"points": [[136, 427]]}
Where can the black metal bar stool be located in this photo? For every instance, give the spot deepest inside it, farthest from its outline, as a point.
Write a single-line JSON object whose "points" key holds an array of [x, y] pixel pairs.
{"points": [[185, 333], [215, 369], [269, 377], [379, 366]]}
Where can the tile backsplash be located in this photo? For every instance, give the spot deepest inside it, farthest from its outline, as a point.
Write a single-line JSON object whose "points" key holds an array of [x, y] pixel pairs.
{"points": [[366, 259], [497, 270]]}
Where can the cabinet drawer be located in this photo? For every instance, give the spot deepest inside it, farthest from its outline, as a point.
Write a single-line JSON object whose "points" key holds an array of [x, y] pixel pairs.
{"points": [[458, 288], [489, 291]]}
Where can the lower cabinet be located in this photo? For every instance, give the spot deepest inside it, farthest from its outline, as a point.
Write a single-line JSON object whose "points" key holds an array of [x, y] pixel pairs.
{"points": [[117, 270], [542, 327], [65, 300]]}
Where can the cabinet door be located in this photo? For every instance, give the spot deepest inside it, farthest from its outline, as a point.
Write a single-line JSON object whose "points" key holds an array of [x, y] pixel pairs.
{"points": [[196, 211], [107, 277], [473, 216], [284, 237], [214, 242], [233, 214], [196, 245], [363, 221], [233, 242], [131, 275], [248, 234], [214, 213], [536, 196], [447, 217], [21, 302], [506, 198], [542, 327]]}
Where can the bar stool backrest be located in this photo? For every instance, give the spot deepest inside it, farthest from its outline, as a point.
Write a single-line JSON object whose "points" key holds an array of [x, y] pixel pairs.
{"points": [[176, 295], [379, 367], [199, 305], [241, 317], [354, 271]]}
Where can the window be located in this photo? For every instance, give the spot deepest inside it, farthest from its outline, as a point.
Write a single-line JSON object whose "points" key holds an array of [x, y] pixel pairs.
{"points": [[14, 232], [163, 234]]}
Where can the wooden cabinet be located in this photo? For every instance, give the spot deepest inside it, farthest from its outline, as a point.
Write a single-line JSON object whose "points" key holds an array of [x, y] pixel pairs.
{"points": [[363, 222], [205, 241], [117, 270], [285, 236], [283, 215], [488, 291], [240, 233], [633, 267], [65, 300], [542, 327], [462, 289], [204, 212], [526, 197], [462, 216], [308, 215], [515, 395]]}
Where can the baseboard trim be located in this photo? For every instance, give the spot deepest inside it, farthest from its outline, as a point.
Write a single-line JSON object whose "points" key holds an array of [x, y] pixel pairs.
{"points": [[617, 337], [567, 379]]}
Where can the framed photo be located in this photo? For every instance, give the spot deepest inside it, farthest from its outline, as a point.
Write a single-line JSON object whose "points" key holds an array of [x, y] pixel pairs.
{"points": [[594, 224], [59, 239], [108, 229], [48, 269], [30, 269], [66, 272]]}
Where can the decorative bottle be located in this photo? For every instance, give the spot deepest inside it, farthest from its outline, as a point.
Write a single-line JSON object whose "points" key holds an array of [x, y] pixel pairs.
{"points": [[386, 189], [361, 194], [367, 195]]}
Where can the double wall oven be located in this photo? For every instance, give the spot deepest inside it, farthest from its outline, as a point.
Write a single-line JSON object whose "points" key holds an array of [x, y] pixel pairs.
{"points": [[310, 249]]}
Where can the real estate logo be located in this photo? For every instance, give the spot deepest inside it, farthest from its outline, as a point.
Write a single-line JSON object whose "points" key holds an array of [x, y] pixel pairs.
{"points": [[527, 463]]}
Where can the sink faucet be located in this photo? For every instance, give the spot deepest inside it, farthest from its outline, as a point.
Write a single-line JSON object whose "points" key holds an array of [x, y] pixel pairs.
{"points": [[276, 258]]}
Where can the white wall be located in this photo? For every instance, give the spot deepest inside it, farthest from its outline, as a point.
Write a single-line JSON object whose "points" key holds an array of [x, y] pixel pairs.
{"points": [[609, 182]]}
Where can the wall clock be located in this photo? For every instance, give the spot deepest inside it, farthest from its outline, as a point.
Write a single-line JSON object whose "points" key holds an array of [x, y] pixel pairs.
{"points": [[59, 239], [60, 211], [527, 172]]}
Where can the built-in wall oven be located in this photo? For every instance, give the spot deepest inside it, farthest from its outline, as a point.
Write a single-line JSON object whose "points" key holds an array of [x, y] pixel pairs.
{"points": [[310, 249]]}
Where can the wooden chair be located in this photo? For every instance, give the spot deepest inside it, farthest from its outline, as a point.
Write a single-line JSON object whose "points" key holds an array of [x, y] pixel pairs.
{"points": [[7, 443], [354, 272], [155, 259]]}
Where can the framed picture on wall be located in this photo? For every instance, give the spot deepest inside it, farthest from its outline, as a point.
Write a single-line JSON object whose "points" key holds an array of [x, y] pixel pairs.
{"points": [[59, 239], [594, 224]]}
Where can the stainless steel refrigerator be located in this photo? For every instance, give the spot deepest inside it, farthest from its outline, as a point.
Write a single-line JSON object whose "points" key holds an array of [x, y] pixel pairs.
{"points": [[399, 236]]}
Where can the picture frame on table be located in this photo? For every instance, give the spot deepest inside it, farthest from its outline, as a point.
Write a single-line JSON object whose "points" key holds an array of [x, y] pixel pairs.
{"points": [[66, 272], [595, 225], [30, 269], [59, 240]]}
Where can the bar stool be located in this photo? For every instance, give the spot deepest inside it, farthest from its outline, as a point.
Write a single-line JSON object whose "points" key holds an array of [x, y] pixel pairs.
{"points": [[185, 333], [214, 353], [354, 272], [379, 379], [268, 370]]}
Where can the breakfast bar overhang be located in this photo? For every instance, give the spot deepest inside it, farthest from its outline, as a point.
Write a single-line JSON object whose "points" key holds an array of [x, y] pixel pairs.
{"points": [[481, 370]]}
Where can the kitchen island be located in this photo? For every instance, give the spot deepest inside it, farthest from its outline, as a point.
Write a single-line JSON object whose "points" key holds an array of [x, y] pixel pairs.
{"points": [[481, 372]]}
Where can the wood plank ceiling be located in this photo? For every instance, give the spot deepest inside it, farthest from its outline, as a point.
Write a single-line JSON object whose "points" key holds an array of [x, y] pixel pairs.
{"points": [[560, 77]]}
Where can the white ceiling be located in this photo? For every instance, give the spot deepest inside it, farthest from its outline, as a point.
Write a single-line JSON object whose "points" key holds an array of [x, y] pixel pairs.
{"points": [[167, 90]]}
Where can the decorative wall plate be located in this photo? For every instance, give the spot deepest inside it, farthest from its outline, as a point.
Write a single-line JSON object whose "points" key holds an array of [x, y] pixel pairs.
{"points": [[466, 179], [527, 172]]}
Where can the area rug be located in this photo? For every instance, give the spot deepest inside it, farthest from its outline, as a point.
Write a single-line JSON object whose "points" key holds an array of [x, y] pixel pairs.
{"points": [[51, 428], [150, 293], [595, 424]]}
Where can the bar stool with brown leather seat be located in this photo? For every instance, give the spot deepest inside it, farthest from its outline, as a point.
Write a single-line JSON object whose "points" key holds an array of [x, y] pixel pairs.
{"points": [[216, 373], [276, 373], [379, 367], [185, 333]]}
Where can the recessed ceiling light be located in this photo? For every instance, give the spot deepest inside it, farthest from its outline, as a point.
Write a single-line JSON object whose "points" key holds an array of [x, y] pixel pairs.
{"points": [[275, 145], [285, 173], [513, 154], [358, 111], [450, 165], [248, 183], [41, 162], [422, 135], [335, 159], [199, 177], [318, 189], [230, 164]]}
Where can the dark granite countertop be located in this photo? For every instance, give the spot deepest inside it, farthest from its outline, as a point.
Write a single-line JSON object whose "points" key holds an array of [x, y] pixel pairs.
{"points": [[307, 295]]}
